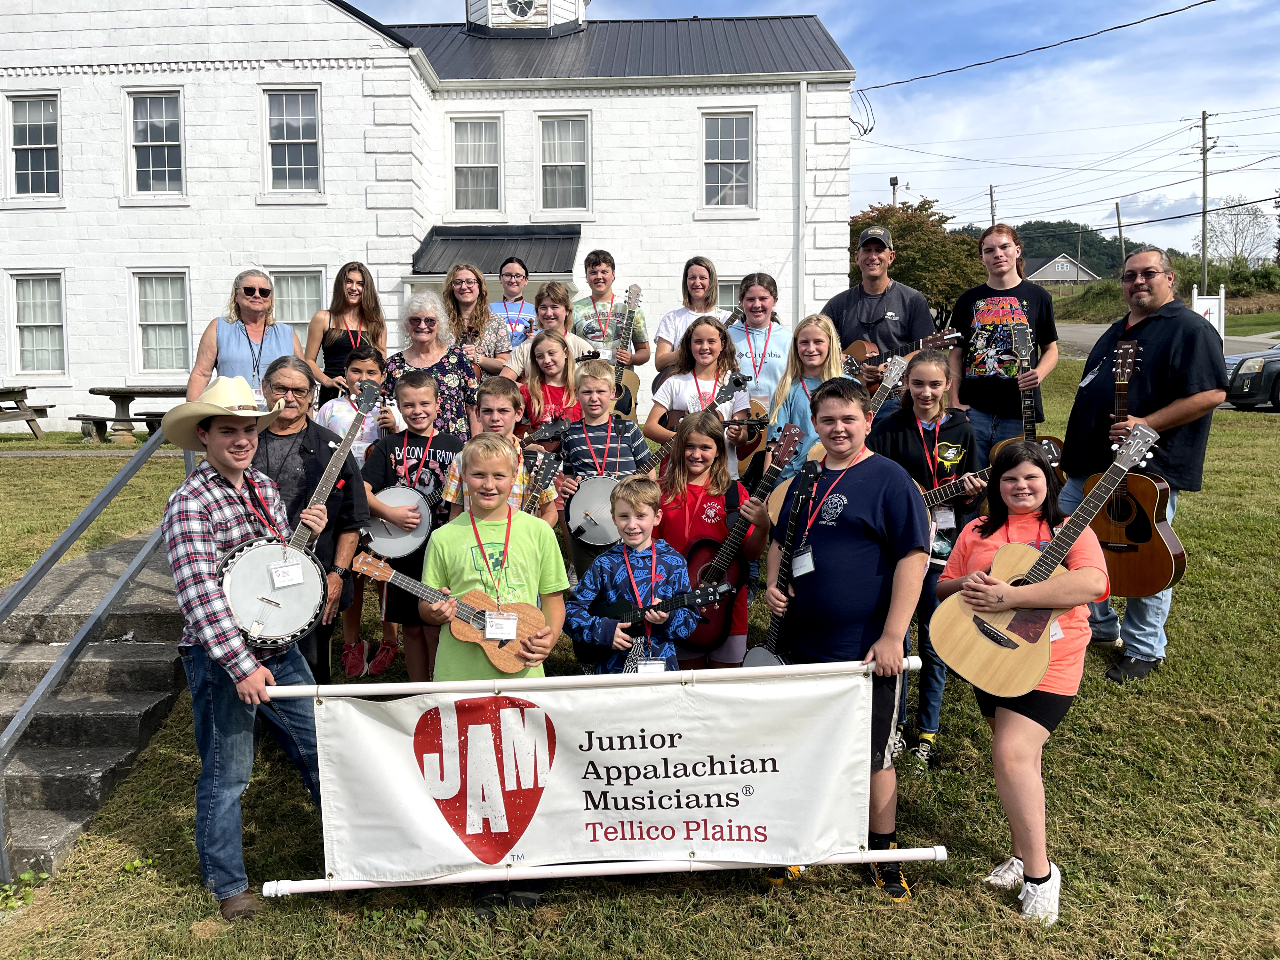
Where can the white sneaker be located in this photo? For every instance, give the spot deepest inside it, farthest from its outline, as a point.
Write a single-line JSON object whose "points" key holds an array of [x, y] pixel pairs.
{"points": [[1040, 900], [898, 745], [1006, 876]]}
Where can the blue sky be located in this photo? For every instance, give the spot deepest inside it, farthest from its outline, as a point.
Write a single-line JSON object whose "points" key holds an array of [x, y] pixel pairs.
{"points": [[1112, 105]]}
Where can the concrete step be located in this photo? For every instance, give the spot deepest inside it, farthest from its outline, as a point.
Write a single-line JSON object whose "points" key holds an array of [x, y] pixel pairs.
{"points": [[63, 600], [70, 719], [63, 778], [41, 838], [101, 667]]}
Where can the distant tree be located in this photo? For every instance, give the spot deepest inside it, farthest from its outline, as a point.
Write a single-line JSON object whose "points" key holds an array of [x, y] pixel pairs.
{"points": [[939, 264], [969, 230], [1242, 235]]}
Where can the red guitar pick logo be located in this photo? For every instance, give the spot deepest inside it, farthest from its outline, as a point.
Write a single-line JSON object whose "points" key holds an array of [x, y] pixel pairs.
{"points": [[486, 763]]}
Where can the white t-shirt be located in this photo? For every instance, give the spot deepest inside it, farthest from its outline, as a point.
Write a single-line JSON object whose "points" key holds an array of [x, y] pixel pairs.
{"points": [[338, 415], [520, 359], [672, 326], [679, 393]]}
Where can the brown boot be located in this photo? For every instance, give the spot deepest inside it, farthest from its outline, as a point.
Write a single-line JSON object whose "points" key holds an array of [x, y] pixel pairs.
{"points": [[243, 906]]}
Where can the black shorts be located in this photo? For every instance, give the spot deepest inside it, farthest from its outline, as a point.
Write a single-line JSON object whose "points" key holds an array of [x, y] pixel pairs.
{"points": [[400, 606], [886, 693], [1046, 709]]}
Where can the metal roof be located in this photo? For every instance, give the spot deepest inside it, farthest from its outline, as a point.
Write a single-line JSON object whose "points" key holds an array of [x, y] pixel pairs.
{"points": [[545, 248], [710, 46], [1033, 265]]}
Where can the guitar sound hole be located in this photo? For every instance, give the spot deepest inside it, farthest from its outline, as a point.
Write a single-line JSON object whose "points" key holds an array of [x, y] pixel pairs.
{"points": [[1120, 510]]}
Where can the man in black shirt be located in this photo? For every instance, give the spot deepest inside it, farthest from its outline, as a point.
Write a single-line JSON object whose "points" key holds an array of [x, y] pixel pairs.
{"points": [[985, 366], [879, 310], [295, 452], [1179, 378]]}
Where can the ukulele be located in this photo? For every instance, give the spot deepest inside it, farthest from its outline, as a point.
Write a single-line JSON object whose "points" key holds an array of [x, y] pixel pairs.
{"points": [[1007, 653], [1052, 445], [469, 622], [1144, 555], [632, 614], [713, 562], [766, 654], [626, 383]]}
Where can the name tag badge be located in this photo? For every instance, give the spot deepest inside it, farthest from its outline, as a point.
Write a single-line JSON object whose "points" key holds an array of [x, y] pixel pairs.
{"points": [[1055, 631], [1089, 376], [500, 626], [945, 517], [606, 354], [286, 573], [802, 561], [259, 398], [652, 666]]}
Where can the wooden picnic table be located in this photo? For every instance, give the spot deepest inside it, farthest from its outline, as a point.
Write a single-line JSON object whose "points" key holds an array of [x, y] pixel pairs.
{"points": [[123, 397], [20, 410]]}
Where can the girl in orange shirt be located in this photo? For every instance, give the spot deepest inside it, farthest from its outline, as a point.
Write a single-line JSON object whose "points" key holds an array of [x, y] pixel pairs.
{"points": [[1025, 509]]}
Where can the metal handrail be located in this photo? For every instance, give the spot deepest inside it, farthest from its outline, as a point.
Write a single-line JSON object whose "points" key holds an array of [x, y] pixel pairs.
{"points": [[66, 659]]}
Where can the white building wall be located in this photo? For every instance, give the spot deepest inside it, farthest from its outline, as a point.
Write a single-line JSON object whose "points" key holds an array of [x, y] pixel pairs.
{"points": [[828, 138]]}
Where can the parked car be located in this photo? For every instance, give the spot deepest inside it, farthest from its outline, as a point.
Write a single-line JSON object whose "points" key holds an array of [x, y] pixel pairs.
{"points": [[1254, 378]]}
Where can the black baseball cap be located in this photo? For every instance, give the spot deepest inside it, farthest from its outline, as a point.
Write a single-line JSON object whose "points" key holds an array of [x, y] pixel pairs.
{"points": [[876, 233]]}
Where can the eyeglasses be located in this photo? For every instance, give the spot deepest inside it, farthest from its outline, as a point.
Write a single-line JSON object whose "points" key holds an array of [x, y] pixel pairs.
{"points": [[465, 283], [514, 276], [422, 321], [298, 392], [1146, 275], [263, 292]]}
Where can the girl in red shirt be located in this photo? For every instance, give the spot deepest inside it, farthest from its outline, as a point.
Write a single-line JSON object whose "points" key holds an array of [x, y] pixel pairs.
{"points": [[701, 502], [549, 393], [1024, 509]]}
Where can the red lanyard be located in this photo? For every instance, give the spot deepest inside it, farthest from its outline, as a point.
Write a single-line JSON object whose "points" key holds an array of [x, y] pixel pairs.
{"points": [[502, 566], [937, 432], [595, 312], [404, 457], [653, 582], [711, 395], [805, 387], [355, 341], [592, 450], [506, 311], [764, 352], [253, 492], [815, 510]]}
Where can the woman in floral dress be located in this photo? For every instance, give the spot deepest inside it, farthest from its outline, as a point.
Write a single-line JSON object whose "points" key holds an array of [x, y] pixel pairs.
{"points": [[432, 350]]}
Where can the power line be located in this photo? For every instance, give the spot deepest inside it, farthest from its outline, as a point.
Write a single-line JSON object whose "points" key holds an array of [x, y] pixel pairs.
{"points": [[1049, 46], [1140, 223]]}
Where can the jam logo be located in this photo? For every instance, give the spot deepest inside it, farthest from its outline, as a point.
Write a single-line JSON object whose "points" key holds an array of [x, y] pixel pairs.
{"points": [[486, 761]]}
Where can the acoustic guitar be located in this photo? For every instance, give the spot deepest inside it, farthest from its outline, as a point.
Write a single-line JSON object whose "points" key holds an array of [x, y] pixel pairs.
{"points": [[1144, 555], [632, 614], [859, 350], [1052, 445], [713, 562], [1007, 653], [626, 384], [468, 624], [892, 374]]}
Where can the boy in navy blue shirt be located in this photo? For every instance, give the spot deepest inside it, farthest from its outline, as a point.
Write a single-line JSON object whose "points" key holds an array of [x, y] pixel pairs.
{"points": [[638, 570], [857, 568]]}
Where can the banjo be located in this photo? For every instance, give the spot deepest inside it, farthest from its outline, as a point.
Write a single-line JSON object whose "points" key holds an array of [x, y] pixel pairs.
{"points": [[388, 540], [277, 591], [588, 513]]}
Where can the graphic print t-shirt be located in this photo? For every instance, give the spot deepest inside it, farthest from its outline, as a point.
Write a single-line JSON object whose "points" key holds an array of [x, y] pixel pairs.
{"points": [[985, 318], [597, 321], [385, 465]]}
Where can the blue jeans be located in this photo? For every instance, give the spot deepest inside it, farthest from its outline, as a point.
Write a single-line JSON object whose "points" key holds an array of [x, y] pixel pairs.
{"points": [[224, 737], [933, 672], [988, 431], [890, 406], [1142, 629]]}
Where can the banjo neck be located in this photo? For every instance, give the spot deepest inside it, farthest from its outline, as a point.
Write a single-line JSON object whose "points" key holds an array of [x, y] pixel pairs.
{"points": [[302, 536]]}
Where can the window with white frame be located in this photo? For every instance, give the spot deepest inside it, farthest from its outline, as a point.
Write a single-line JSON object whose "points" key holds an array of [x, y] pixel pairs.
{"points": [[293, 139], [35, 146], [297, 297], [727, 167], [564, 163], [476, 165], [1063, 267], [726, 296], [162, 317], [39, 316], [157, 144]]}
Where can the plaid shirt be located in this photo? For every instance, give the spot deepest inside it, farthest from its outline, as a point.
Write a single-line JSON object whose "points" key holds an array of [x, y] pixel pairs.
{"points": [[455, 490], [205, 520]]}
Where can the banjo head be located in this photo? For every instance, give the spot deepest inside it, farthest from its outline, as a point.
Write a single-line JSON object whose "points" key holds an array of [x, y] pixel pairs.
{"points": [[388, 540], [590, 517], [272, 616]]}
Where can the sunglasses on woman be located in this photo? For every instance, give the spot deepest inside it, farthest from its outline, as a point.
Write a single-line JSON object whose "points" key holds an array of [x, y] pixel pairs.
{"points": [[263, 292]]}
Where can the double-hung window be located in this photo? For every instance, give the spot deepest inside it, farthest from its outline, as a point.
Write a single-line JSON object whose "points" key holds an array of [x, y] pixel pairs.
{"points": [[476, 165], [39, 316], [564, 163], [293, 139], [157, 143], [726, 296], [297, 298], [35, 146], [727, 161], [162, 319]]}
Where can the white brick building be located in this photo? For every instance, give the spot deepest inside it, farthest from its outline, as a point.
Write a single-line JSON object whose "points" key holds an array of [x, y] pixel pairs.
{"points": [[300, 134]]}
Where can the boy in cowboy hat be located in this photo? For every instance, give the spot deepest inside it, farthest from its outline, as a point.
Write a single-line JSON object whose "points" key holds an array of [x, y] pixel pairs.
{"points": [[224, 503]]}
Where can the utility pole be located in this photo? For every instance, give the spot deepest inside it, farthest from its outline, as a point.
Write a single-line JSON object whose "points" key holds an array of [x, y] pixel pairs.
{"points": [[1204, 202], [1120, 227], [893, 182], [991, 192], [1079, 243]]}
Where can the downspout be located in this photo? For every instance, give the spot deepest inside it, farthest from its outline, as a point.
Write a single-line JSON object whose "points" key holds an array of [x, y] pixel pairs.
{"points": [[802, 200]]}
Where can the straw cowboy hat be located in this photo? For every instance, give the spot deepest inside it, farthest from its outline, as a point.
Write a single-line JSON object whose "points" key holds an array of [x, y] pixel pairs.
{"points": [[224, 397]]}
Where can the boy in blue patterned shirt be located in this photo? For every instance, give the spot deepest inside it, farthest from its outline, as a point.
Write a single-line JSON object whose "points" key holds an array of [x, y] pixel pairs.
{"points": [[640, 570]]}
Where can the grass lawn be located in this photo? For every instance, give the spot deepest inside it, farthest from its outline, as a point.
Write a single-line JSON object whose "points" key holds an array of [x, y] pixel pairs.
{"points": [[65, 440], [1163, 815], [1252, 324]]}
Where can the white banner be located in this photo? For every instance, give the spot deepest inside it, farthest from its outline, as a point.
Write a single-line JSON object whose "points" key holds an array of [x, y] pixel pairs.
{"points": [[753, 771]]}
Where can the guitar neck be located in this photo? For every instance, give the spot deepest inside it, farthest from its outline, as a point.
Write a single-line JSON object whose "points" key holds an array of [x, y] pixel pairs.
{"points": [[882, 394], [466, 612], [1056, 551], [1122, 414], [302, 536], [733, 543], [955, 488], [784, 568], [1028, 404], [624, 343]]}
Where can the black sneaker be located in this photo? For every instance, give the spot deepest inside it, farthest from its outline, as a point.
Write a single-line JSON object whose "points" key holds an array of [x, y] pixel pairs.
{"points": [[777, 876], [1104, 640], [487, 899], [889, 878], [1131, 668]]}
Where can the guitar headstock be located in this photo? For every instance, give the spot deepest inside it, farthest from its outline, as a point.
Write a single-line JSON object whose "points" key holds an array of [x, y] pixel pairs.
{"points": [[705, 596], [1022, 341], [547, 466], [548, 431], [369, 395], [941, 340], [1126, 360], [734, 384], [372, 567], [1136, 449], [893, 372], [633, 297], [736, 317], [788, 443]]}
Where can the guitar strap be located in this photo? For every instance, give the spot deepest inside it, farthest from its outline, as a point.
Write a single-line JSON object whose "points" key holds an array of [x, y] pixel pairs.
{"points": [[732, 503]]}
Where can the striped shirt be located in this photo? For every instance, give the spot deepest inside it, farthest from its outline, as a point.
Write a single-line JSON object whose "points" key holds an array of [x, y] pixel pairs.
{"points": [[205, 520], [628, 450], [455, 490]]}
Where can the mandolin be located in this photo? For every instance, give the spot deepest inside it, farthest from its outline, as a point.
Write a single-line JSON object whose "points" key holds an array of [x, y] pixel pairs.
{"points": [[1144, 555], [626, 383], [1052, 445], [712, 562], [1007, 653], [468, 624]]}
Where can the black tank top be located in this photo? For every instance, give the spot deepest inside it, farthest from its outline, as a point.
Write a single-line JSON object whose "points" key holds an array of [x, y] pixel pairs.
{"points": [[339, 348]]}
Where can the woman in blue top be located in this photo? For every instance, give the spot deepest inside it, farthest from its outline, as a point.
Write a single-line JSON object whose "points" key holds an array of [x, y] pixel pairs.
{"points": [[813, 359], [245, 341]]}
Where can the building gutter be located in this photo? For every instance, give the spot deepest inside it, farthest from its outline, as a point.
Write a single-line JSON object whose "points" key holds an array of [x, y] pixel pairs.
{"points": [[802, 197], [594, 83]]}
